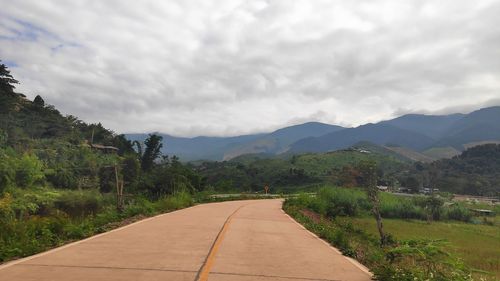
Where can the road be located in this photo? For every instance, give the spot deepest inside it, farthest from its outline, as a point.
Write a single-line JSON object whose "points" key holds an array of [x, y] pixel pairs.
{"points": [[237, 241]]}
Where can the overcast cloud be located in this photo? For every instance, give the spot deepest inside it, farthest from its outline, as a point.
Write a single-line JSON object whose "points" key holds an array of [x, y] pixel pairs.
{"points": [[229, 67]]}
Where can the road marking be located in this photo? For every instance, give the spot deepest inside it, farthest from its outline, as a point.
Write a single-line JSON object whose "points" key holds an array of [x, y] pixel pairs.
{"points": [[209, 261]]}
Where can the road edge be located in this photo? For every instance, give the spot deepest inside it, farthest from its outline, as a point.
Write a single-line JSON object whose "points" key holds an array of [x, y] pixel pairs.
{"points": [[351, 260], [62, 247]]}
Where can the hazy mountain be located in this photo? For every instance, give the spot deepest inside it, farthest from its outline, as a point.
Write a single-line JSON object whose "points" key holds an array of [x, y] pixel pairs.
{"points": [[219, 148], [279, 141], [434, 126], [478, 126], [414, 136], [439, 136], [381, 134], [207, 148]]}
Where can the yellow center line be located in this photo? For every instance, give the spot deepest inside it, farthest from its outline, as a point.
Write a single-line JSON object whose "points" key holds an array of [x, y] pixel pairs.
{"points": [[209, 262]]}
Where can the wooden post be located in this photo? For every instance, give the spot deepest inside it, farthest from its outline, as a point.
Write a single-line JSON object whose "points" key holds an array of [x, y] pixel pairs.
{"points": [[119, 191]]}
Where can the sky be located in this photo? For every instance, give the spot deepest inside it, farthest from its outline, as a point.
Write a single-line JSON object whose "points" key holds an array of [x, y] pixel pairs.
{"points": [[231, 67]]}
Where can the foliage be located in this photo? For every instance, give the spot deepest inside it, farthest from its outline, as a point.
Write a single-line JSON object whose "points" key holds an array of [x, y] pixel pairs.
{"points": [[422, 260], [399, 260], [289, 174], [35, 219], [476, 172], [152, 152]]}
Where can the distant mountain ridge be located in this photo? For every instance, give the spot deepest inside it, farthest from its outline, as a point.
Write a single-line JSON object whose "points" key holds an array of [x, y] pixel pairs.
{"points": [[414, 131], [433, 136]]}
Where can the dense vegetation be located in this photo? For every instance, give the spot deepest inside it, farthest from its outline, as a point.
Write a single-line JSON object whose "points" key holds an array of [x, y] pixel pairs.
{"points": [[62, 179], [335, 214], [298, 172], [475, 172]]}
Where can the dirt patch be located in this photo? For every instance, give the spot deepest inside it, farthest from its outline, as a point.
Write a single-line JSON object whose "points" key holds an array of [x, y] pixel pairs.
{"points": [[315, 217]]}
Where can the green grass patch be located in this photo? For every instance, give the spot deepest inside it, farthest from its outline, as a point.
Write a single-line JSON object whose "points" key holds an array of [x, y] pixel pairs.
{"points": [[477, 245]]}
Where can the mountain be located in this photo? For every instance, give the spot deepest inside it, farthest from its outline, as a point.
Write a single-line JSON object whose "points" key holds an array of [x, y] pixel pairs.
{"points": [[381, 134], [478, 126], [278, 141], [206, 148], [417, 137], [225, 148], [433, 126]]}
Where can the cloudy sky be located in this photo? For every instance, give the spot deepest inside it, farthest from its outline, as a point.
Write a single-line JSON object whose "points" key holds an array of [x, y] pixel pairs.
{"points": [[230, 67]]}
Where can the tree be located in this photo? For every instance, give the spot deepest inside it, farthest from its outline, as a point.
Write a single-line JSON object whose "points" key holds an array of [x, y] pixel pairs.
{"points": [[130, 169], [38, 101], [123, 144], [368, 179], [153, 150], [433, 207], [6, 80]]}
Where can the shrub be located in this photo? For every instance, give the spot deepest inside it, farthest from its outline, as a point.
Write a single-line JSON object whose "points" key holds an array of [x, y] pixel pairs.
{"points": [[421, 260], [62, 178], [403, 208], [80, 203], [175, 202], [458, 212], [7, 170], [340, 201], [29, 171]]}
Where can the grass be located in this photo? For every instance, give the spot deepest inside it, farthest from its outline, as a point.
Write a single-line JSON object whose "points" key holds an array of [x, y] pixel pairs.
{"points": [[342, 217], [477, 245]]}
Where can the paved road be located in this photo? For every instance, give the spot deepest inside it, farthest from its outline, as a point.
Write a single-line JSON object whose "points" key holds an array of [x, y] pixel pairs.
{"points": [[237, 241]]}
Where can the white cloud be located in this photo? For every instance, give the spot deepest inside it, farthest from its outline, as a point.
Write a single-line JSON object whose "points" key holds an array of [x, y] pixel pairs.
{"points": [[230, 67]]}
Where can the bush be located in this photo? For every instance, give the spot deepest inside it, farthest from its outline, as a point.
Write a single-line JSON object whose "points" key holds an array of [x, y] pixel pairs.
{"points": [[338, 202], [421, 260], [29, 171], [7, 169], [403, 208], [458, 212], [80, 203], [177, 201], [62, 178]]}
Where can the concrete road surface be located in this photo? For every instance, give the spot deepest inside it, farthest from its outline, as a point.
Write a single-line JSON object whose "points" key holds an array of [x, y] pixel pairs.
{"points": [[239, 240]]}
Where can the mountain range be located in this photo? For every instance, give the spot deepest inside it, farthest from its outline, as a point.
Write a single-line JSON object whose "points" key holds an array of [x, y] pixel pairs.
{"points": [[414, 136]]}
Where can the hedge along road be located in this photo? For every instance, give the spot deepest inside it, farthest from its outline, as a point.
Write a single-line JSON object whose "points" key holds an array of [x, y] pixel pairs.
{"points": [[237, 240]]}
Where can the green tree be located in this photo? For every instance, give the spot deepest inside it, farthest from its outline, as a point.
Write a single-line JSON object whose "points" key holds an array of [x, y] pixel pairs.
{"points": [[153, 150], [130, 169], [6, 80], [368, 179], [38, 101]]}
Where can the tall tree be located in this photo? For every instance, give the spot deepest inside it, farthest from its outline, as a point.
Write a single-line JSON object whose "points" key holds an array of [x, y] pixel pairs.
{"points": [[368, 179], [38, 101], [6, 80], [153, 150]]}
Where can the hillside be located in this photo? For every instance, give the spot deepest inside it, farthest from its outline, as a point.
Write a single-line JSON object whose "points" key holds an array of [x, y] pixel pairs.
{"points": [[412, 135], [433, 126], [381, 134], [417, 137], [253, 171], [480, 125], [225, 148], [474, 171], [278, 141]]}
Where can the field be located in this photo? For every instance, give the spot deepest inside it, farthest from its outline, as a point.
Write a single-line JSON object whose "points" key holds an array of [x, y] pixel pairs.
{"points": [[477, 245], [424, 239]]}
